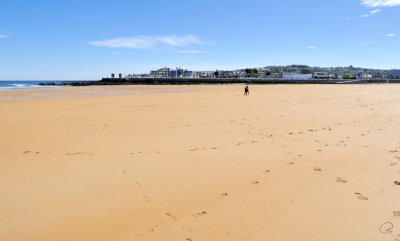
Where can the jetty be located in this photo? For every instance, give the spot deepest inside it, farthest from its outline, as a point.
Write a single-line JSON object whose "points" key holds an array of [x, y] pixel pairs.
{"points": [[197, 81]]}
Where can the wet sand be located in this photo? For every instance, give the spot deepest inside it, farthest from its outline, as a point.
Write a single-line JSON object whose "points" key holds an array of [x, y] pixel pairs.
{"points": [[288, 162]]}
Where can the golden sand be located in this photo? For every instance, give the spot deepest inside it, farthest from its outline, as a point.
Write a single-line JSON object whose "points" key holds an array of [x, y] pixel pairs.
{"points": [[201, 163]]}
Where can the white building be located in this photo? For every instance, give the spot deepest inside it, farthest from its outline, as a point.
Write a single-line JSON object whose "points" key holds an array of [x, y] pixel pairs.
{"points": [[322, 75], [203, 74], [160, 73], [296, 76]]}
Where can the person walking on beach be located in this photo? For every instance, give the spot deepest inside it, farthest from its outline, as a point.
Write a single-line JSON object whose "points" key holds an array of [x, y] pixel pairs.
{"points": [[246, 90]]}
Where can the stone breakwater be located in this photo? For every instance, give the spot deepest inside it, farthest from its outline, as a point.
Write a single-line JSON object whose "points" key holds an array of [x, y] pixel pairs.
{"points": [[186, 81]]}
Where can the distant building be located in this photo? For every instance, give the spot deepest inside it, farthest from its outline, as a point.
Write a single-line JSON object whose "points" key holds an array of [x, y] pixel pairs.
{"points": [[366, 76], [322, 75], [160, 73], [188, 74], [170, 73], [204, 74], [296, 76]]}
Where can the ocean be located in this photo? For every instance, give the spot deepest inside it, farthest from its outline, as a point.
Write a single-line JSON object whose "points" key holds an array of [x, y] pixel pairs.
{"points": [[22, 85]]}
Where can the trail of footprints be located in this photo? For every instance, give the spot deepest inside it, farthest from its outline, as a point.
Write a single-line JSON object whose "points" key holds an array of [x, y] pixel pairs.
{"points": [[267, 171], [316, 169]]}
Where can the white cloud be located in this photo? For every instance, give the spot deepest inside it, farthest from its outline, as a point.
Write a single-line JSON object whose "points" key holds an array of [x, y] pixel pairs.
{"points": [[146, 42], [380, 3], [190, 51], [367, 43], [375, 11], [371, 13], [390, 35], [138, 43], [311, 47], [347, 18], [180, 40], [3, 36]]}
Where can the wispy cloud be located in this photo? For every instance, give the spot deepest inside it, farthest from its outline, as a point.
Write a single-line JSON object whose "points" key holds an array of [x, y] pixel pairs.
{"points": [[311, 47], [390, 35], [366, 43], [371, 13], [190, 51], [146, 42], [380, 3], [180, 40], [375, 11], [2, 36]]}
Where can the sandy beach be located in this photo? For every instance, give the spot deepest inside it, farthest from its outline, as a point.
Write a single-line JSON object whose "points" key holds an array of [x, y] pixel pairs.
{"points": [[201, 163]]}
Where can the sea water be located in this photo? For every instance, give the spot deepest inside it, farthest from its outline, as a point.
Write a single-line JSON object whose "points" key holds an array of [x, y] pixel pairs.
{"points": [[22, 85]]}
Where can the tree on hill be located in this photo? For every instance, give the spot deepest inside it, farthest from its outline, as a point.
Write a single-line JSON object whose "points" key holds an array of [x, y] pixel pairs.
{"points": [[306, 71], [349, 76]]}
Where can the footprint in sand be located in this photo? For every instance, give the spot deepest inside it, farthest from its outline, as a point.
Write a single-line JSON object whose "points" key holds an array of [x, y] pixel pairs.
{"points": [[26, 152], [317, 169], [195, 149], [171, 216], [361, 197], [144, 198], [340, 180], [254, 183], [267, 171], [396, 213], [224, 194], [396, 183], [201, 213]]}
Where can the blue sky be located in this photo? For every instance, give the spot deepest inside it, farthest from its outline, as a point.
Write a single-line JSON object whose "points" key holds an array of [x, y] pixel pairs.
{"points": [[89, 39]]}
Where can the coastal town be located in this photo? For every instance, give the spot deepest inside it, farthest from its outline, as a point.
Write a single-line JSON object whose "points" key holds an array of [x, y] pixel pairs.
{"points": [[290, 72]]}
